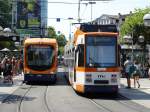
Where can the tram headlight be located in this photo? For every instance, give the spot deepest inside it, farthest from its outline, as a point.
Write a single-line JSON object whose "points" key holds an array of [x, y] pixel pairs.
{"points": [[26, 71], [88, 78]]}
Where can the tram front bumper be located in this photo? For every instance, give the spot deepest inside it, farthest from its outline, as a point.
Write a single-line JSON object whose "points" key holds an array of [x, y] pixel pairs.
{"points": [[97, 88], [39, 77], [101, 89]]}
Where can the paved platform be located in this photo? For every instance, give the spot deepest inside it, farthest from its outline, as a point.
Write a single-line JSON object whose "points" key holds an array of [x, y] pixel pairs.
{"points": [[7, 88], [139, 95]]}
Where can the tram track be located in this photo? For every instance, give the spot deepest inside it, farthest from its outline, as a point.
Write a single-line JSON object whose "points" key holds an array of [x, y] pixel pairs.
{"points": [[120, 100], [22, 98], [43, 100], [130, 104], [100, 106]]}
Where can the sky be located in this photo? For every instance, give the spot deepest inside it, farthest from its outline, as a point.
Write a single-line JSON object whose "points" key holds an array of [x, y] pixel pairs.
{"points": [[65, 11]]}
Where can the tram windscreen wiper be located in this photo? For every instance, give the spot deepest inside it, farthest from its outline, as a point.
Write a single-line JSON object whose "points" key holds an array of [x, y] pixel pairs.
{"points": [[92, 61]]}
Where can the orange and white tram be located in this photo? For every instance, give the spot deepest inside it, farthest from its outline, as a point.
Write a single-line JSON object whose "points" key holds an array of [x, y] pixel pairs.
{"points": [[91, 59]]}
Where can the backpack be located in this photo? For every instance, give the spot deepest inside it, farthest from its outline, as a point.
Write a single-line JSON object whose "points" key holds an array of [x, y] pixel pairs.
{"points": [[132, 69], [136, 72]]}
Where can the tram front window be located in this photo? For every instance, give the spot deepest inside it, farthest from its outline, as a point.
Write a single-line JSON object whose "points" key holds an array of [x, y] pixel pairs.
{"points": [[101, 51], [40, 57]]}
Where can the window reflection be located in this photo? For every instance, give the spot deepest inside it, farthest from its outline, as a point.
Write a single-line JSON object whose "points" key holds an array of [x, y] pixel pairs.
{"points": [[101, 51], [40, 57]]}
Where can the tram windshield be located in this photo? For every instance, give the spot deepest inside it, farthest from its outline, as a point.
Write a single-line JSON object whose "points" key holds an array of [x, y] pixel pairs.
{"points": [[40, 57], [101, 51]]}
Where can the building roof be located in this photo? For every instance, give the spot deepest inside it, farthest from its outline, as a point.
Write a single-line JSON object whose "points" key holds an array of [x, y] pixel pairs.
{"points": [[105, 16]]}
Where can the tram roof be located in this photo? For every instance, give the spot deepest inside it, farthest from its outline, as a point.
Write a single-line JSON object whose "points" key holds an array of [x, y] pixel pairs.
{"points": [[40, 40], [98, 28], [108, 29]]}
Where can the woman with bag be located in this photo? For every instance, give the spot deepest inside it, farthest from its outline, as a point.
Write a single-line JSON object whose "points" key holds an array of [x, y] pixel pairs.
{"points": [[136, 74]]}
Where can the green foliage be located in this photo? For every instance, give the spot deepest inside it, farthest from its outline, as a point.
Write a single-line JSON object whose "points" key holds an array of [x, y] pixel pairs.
{"points": [[7, 44], [5, 13], [134, 23], [60, 39], [61, 50], [51, 32]]}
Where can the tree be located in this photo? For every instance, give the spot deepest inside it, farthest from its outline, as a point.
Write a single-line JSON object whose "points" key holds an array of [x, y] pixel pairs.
{"points": [[60, 39], [51, 32], [5, 20], [7, 44], [61, 43], [134, 23], [5, 13]]}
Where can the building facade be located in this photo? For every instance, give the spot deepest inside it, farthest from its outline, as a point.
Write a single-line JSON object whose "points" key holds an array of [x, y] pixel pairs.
{"points": [[44, 16], [111, 19], [30, 17]]}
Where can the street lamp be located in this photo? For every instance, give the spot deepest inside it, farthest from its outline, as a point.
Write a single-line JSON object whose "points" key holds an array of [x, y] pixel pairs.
{"points": [[141, 39], [7, 32], [146, 19]]}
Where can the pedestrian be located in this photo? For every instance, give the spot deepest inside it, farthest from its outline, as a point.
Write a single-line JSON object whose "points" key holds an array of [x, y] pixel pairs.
{"points": [[13, 61], [127, 65], [0, 69], [3, 62], [146, 66], [149, 73], [21, 66], [8, 71], [136, 74]]}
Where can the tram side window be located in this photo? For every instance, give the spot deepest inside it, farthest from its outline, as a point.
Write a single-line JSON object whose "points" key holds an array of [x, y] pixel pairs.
{"points": [[80, 55]]}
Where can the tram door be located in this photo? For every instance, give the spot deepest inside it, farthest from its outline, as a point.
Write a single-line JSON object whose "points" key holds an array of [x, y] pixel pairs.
{"points": [[79, 58]]}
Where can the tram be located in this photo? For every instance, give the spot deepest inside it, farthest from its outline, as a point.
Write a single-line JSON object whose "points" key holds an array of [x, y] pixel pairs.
{"points": [[91, 59], [40, 59]]}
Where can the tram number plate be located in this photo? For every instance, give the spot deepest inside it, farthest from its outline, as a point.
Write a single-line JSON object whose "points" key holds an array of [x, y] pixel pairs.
{"points": [[101, 76], [39, 75]]}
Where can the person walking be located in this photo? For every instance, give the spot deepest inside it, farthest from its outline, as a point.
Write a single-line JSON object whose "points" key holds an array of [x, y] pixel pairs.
{"points": [[127, 65], [0, 68], [8, 71], [149, 73], [13, 61], [136, 74]]}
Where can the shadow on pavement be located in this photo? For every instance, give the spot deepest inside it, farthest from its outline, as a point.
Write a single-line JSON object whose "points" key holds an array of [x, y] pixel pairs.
{"points": [[14, 98], [61, 79], [106, 96], [135, 94]]}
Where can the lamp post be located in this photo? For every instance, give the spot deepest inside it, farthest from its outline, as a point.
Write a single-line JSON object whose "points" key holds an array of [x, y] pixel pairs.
{"points": [[91, 3], [146, 19], [70, 23]]}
